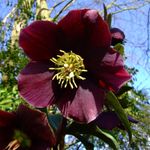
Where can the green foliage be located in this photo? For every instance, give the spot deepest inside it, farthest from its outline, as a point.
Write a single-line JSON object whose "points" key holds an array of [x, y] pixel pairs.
{"points": [[107, 17], [12, 61], [9, 99], [92, 129], [113, 101]]}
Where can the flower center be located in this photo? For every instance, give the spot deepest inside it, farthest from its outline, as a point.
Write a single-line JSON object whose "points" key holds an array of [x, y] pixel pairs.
{"points": [[69, 67], [20, 139]]}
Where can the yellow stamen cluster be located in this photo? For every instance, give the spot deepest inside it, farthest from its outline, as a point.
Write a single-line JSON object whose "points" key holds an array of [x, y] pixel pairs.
{"points": [[69, 67]]}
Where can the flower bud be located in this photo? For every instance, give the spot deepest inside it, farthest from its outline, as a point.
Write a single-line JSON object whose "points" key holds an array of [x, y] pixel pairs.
{"points": [[118, 36]]}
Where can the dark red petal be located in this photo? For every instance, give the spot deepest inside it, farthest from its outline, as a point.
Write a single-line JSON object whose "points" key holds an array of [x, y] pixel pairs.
{"points": [[110, 120], [112, 70], [6, 128], [6, 118], [83, 104], [35, 124], [40, 40], [39, 145], [85, 33], [73, 29], [107, 120], [97, 31], [6, 134], [35, 84]]}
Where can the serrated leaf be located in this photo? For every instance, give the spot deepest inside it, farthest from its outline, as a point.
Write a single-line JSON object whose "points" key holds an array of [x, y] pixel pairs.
{"points": [[113, 101], [92, 129]]}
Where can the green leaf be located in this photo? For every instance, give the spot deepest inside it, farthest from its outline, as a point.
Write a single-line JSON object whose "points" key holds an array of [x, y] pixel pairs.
{"points": [[5, 102], [124, 89], [120, 48], [109, 19], [107, 137], [125, 103], [92, 129], [105, 12], [88, 145], [113, 101]]}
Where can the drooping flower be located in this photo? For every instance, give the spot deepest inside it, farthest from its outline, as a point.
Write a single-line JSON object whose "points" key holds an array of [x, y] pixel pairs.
{"points": [[25, 129], [71, 81], [118, 36], [109, 120]]}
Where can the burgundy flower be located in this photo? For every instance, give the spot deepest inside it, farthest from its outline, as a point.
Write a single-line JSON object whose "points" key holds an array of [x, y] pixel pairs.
{"points": [[112, 71], [25, 129], [118, 36], [80, 32], [110, 120]]}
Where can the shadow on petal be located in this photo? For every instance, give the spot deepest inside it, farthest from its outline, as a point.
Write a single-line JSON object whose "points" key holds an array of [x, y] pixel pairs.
{"points": [[35, 124], [109, 120], [84, 104], [40, 40], [35, 84], [112, 71], [6, 128]]}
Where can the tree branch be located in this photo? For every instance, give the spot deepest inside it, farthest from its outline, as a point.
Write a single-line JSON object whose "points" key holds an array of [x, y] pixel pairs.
{"points": [[64, 8]]}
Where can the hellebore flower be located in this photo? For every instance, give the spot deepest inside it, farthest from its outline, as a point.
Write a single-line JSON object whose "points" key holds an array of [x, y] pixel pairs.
{"points": [[71, 81], [110, 120], [25, 129], [118, 36]]}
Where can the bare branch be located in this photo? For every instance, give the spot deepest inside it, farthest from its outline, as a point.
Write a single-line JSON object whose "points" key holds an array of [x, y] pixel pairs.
{"points": [[64, 8], [134, 7], [9, 14], [20, 20], [42, 11]]}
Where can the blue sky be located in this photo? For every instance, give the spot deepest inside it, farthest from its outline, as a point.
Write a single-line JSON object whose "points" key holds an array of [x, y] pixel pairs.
{"points": [[133, 23]]}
